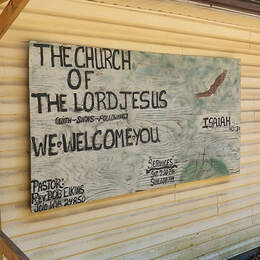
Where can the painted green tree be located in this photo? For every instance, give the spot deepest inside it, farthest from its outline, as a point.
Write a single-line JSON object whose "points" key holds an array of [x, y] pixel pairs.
{"points": [[203, 169]]}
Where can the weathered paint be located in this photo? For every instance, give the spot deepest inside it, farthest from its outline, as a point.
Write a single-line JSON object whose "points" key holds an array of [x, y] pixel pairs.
{"points": [[121, 121]]}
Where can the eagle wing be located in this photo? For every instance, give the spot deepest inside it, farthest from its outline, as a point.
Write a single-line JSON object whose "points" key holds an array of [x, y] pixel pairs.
{"points": [[213, 88]]}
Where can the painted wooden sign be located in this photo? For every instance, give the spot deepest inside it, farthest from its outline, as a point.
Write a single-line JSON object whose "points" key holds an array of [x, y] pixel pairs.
{"points": [[106, 122]]}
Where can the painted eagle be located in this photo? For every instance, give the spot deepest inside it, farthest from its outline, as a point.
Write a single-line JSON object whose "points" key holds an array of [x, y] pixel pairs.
{"points": [[213, 88]]}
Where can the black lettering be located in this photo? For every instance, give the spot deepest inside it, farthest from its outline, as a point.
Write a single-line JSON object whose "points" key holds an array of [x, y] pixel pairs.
{"points": [[114, 60], [77, 79], [86, 143], [119, 134], [91, 103], [142, 136], [59, 55], [95, 146], [125, 93], [107, 58], [126, 60], [156, 139], [223, 122], [62, 103], [65, 56], [163, 101], [41, 46], [155, 100], [41, 149], [134, 100], [128, 136], [76, 57], [210, 122], [53, 103], [79, 142], [110, 95], [89, 57], [100, 99], [144, 100], [65, 192], [76, 108], [69, 146], [106, 146], [51, 145], [99, 67], [39, 100], [86, 77], [228, 121], [215, 122], [35, 185], [205, 119], [35, 198], [137, 135]]}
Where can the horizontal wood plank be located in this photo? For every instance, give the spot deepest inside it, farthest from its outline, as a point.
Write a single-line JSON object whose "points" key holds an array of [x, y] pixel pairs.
{"points": [[14, 128], [14, 161], [190, 240], [13, 177], [10, 250], [250, 138], [13, 194], [249, 159], [233, 250], [251, 127], [250, 105], [96, 227], [45, 221], [14, 143], [250, 82], [126, 233], [237, 204], [250, 94], [231, 239], [249, 149], [247, 116], [140, 242], [238, 193], [171, 35]]}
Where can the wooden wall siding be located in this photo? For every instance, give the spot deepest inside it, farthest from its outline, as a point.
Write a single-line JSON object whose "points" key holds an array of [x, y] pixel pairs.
{"points": [[210, 218]]}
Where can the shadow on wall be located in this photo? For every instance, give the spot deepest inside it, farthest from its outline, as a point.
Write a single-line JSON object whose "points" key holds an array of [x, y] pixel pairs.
{"points": [[253, 254]]}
